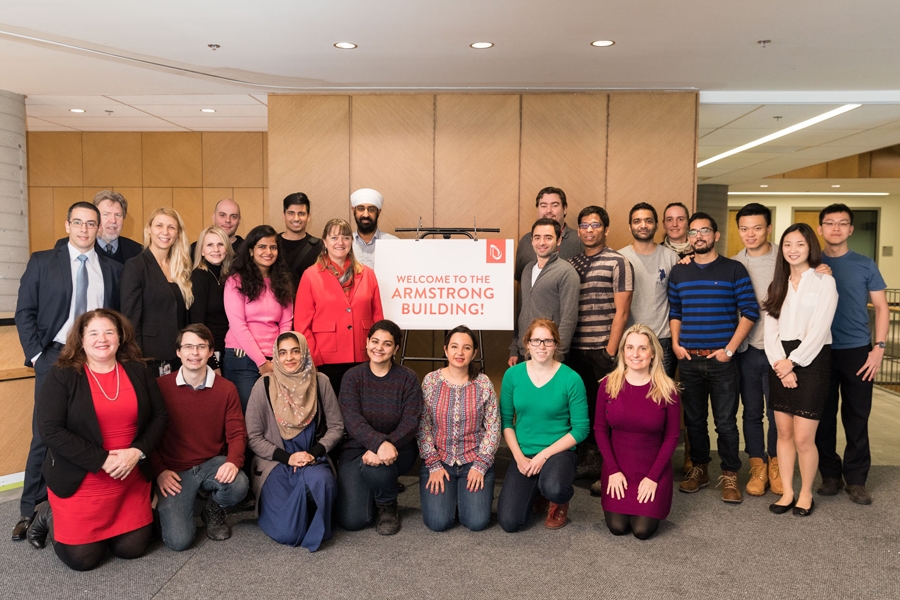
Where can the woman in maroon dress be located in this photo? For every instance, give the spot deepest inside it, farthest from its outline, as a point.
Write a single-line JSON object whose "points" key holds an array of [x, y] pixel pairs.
{"points": [[101, 414], [638, 415]]}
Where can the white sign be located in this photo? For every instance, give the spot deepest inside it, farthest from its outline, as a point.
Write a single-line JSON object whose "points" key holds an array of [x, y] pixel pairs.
{"points": [[439, 284]]}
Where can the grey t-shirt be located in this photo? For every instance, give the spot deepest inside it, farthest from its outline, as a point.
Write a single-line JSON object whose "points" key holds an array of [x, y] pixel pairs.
{"points": [[650, 303], [762, 271]]}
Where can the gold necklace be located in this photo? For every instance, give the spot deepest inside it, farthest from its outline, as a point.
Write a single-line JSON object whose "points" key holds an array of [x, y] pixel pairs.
{"points": [[102, 391]]}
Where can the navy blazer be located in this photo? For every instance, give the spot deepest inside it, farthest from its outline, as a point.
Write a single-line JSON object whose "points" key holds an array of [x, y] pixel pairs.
{"points": [[45, 297], [68, 425], [128, 248]]}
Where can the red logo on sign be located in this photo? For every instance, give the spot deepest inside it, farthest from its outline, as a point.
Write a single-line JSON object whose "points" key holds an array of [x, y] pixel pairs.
{"points": [[496, 251]]}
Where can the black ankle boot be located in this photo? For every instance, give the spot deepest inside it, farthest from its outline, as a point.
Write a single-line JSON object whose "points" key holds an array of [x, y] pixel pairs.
{"points": [[388, 521], [40, 526]]}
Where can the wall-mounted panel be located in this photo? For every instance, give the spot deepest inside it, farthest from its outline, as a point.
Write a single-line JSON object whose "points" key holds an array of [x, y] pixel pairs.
{"points": [[251, 202], [232, 159], [112, 159], [134, 219], [54, 159], [41, 215], [189, 204], [63, 198], [172, 159]]}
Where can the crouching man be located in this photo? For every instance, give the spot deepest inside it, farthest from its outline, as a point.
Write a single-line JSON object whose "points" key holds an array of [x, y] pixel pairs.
{"points": [[203, 448]]}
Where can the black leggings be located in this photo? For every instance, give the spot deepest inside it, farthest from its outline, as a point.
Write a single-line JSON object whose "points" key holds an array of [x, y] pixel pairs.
{"points": [[84, 557], [641, 527]]}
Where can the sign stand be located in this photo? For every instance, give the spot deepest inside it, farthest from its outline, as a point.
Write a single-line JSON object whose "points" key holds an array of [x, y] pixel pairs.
{"points": [[446, 233]]}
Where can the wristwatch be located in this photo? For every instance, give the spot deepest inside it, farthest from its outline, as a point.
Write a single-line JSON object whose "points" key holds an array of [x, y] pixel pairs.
{"points": [[728, 353], [880, 345]]}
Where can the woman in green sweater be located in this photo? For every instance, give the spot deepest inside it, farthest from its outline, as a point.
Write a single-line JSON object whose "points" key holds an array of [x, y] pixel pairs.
{"points": [[543, 411]]}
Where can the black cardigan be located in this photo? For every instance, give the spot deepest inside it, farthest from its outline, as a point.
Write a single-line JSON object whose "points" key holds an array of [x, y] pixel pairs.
{"points": [[68, 425]]}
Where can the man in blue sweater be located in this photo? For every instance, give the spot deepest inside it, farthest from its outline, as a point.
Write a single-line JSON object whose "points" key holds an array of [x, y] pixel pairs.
{"points": [[712, 308]]}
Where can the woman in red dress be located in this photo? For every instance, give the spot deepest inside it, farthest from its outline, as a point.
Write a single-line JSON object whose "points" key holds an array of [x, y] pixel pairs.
{"points": [[101, 414]]}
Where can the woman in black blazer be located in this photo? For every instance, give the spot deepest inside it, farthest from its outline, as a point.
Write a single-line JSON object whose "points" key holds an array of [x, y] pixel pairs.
{"points": [[101, 414], [212, 265], [156, 291]]}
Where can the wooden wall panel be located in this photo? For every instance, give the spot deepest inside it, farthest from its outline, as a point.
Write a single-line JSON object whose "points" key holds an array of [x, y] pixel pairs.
{"points": [[63, 198], [112, 159], [251, 202], [189, 204], [392, 150], [651, 155], [134, 220], [211, 197], [172, 159], [564, 146], [153, 198], [41, 215], [54, 158], [309, 150], [16, 406], [232, 159]]}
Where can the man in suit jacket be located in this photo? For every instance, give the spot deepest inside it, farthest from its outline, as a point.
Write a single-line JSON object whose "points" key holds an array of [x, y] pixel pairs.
{"points": [[113, 207], [46, 308]]}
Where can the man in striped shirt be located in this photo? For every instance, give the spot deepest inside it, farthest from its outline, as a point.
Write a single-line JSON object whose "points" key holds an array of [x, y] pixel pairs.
{"points": [[712, 308]]}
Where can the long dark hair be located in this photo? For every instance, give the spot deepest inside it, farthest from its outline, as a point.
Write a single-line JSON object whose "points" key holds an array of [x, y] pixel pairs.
{"points": [[252, 281], [72, 355], [474, 369], [779, 286]]}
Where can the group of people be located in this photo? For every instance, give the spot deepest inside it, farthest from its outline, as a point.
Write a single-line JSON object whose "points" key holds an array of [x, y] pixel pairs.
{"points": [[260, 373]]}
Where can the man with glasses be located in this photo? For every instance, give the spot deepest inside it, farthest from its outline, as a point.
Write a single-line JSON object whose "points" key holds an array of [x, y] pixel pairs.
{"points": [[113, 208], [854, 361], [57, 287], [551, 204], [705, 298], [606, 281], [204, 444]]}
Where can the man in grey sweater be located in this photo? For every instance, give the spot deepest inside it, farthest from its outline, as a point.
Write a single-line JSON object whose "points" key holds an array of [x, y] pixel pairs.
{"points": [[550, 290]]}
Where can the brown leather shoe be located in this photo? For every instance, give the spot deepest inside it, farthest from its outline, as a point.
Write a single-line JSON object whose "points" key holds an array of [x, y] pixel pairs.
{"points": [[731, 493], [558, 516], [775, 477], [859, 495], [759, 478], [697, 477], [831, 486]]}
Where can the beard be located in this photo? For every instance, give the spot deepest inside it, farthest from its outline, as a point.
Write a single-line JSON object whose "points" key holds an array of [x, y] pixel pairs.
{"points": [[366, 225], [645, 237], [703, 250]]}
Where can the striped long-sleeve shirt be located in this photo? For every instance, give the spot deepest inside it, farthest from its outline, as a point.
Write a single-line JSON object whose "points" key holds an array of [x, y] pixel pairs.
{"points": [[708, 300]]}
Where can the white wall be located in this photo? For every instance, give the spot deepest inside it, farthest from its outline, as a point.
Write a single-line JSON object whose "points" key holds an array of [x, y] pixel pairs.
{"points": [[13, 199]]}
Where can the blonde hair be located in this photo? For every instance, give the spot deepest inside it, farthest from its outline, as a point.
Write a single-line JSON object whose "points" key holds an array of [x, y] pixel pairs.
{"points": [[343, 228], [662, 388], [200, 263], [179, 253]]}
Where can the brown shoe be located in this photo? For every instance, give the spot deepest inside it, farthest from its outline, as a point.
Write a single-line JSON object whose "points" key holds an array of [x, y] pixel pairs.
{"points": [[859, 495], [558, 516], [831, 486], [759, 478], [697, 477], [597, 488], [775, 477], [731, 493]]}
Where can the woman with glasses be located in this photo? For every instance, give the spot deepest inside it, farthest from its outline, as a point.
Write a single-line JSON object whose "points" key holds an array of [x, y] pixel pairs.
{"points": [[211, 266], [543, 412]]}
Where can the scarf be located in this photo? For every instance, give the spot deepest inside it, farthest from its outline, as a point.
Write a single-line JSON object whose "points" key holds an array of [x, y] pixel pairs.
{"points": [[293, 395], [682, 250], [344, 275]]}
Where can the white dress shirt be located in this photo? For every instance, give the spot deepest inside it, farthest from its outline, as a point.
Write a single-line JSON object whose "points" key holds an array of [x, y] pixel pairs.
{"points": [[806, 315], [94, 291]]}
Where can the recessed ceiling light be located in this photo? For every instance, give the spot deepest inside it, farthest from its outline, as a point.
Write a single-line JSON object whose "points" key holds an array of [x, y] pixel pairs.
{"points": [[208, 110], [345, 45], [602, 43], [78, 110], [764, 185], [809, 193], [481, 45], [836, 185]]}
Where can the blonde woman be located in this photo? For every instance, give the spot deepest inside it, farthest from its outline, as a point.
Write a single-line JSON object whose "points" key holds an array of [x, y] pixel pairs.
{"points": [[156, 289], [212, 264], [638, 416]]}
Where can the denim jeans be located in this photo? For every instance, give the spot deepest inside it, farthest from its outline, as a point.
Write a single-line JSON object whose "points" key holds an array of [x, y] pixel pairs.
{"points": [[708, 382], [242, 372], [361, 486], [754, 368], [439, 510], [518, 493], [670, 363], [176, 513]]}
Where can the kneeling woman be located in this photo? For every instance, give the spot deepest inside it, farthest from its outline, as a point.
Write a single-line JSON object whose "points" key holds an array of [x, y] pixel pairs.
{"points": [[101, 414], [458, 436], [293, 421], [638, 416], [543, 410], [381, 403]]}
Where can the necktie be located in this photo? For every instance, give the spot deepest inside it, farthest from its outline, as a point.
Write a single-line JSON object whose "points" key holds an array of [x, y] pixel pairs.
{"points": [[109, 249], [81, 287]]}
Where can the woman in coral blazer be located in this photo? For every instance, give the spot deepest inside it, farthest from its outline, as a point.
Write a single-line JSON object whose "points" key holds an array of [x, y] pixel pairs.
{"points": [[337, 302]]}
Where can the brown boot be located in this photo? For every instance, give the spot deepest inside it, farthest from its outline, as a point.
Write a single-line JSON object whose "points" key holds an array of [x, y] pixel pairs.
{"points": [[731, 493], [688, 463], [775, 477], [697, 477], [759, 477], [558, 516]]}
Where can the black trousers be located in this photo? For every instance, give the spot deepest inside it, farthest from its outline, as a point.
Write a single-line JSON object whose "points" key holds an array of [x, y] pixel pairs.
{"points": [[34, 490], [592, 365]]}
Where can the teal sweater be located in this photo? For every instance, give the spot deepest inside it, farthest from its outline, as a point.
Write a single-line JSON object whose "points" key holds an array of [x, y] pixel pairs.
{"points": [[545, 414]]}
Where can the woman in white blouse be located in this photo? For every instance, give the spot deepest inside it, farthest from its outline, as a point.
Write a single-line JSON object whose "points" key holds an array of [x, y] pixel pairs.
{"points": [[800, 306]]}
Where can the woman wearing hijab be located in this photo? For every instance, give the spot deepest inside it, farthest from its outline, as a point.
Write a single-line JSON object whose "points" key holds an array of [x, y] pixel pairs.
{"points": [[293, 421]]}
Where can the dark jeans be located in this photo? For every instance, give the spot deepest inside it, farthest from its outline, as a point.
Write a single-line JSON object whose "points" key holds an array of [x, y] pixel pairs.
{"points": [[708, 382], [34, 490], [518, 493], [670, 363], [856, 404], [754, 367], [439, 510], [592, 365], [242, 372], [361, 486]]}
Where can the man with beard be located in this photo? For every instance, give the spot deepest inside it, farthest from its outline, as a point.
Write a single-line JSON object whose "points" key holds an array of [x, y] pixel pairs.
{"points": [[227, 217], [367, 204], [113, 207], [551, 204], [705, 298], [652, 264], [675, 222]]}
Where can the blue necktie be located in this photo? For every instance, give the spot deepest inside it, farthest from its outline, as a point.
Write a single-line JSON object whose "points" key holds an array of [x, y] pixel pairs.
{"points": [[81, 287]]}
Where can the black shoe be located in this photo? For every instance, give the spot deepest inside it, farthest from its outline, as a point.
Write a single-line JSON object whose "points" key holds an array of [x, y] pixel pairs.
{"points": [[387, 522], [248, 503], [21, 528], [40, 526], [831, 486], [804, 512], [780, 509], [859, 495], [400, 488], [215, 519]]}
